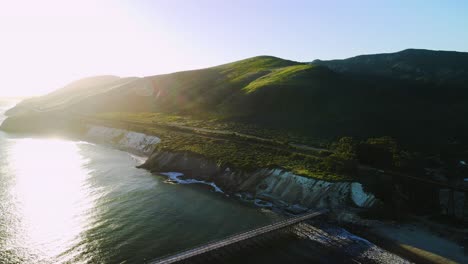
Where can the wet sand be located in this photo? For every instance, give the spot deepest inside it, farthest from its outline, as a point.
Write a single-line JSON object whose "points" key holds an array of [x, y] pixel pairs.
{"points": [[417, 243]]}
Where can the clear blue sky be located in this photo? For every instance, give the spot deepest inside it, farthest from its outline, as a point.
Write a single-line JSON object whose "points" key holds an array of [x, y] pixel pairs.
{"points": [[309, 29], [46, 44]]}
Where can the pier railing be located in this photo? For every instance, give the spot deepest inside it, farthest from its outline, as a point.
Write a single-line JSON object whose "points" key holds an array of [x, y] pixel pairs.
{"points": [[238, 238]]}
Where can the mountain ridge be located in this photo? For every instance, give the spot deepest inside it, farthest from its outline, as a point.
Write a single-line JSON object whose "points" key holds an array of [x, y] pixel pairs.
{"points": [[409, 64], [351, 97]]}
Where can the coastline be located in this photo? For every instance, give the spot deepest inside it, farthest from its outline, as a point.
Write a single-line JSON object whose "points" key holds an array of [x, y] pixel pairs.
{"points": [[278, 186], [123, 140], [415, 242]]}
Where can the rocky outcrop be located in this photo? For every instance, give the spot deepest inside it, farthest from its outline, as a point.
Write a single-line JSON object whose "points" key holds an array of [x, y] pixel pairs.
{"points": [[128, 140], [309, 192], [58, 124], [267, 187], [197, 167]]}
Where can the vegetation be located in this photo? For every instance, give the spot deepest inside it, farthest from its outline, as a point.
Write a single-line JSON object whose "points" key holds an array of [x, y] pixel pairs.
{"points": [[213, 126], [441, 67], [362, 118], [274, 107], [246, 156], [363, 97], [246, 70], [340, 163], [343, 158], [282, 76], [227, 149]]}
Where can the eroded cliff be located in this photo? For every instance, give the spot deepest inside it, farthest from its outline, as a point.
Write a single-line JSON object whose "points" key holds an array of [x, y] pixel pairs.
{"points": [[268, 186]]}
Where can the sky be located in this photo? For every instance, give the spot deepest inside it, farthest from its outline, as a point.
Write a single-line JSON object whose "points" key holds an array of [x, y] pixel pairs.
{"points": [[46, 44]]}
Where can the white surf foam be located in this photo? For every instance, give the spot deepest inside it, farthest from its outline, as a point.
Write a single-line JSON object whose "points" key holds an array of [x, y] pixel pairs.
{"points": [[174, 176]]}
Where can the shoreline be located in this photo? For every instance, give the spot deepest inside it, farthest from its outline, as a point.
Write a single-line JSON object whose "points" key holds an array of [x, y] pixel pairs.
{"points": [[414, 241], [408, 252], [377, 239]]}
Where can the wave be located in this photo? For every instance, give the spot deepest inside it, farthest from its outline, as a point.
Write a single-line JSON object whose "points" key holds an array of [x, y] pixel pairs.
{"points": [[139, 159], [174, 177]]}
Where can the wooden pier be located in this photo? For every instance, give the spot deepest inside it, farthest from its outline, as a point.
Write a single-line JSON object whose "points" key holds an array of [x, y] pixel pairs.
{"points": [[238, 238]]}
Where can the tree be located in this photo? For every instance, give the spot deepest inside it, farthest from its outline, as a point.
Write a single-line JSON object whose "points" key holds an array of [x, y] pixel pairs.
{"points": [[343, 160]]}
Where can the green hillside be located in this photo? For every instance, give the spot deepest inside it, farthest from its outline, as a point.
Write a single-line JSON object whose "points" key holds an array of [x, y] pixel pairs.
{"points": [[270, 112], [365, 96], [442, 67]]}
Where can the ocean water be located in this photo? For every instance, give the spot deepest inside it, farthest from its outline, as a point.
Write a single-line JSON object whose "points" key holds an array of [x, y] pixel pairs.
{"points": [[64, 201]]}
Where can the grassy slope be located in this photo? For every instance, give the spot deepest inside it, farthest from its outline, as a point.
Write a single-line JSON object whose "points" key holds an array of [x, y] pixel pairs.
{"points": [[285, 95], [266, 91], [230, 149], [278, 99], [282, 76]]}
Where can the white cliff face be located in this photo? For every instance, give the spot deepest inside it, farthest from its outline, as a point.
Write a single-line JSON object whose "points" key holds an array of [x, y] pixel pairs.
{"points": [[361, 198], [130, 140], [267, 187], [312, 193]]}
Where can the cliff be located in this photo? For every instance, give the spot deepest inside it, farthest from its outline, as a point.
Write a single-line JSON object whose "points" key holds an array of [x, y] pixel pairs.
{"points": [[124, 139], [266, 186], [270, 187]]}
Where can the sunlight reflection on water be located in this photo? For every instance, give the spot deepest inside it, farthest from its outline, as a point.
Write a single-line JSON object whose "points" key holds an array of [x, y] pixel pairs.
{"points": [[75, 202], [50, 198]]}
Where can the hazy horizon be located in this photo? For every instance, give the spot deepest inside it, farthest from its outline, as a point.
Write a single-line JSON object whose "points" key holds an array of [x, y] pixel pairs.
{"points": [[46, 48]]}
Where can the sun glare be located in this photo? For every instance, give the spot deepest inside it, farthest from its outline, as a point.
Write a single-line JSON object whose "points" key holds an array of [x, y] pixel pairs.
{"points": [[49, 194], [48, 44]]}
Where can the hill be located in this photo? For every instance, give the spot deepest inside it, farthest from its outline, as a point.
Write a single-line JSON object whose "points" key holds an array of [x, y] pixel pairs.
{"points": [[441, 67], [361, 119], [416, 96]]}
